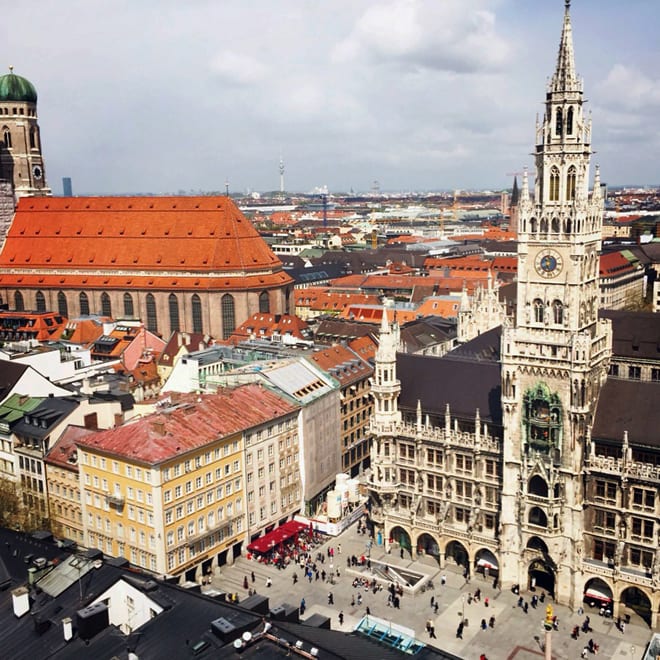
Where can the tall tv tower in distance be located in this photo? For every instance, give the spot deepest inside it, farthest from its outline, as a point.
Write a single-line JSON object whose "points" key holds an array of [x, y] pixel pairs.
{"points": [[281, 176]]}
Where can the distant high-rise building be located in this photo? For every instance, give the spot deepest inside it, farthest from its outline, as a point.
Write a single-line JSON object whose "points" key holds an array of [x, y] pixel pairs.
{"points": [[21, 162], [67, 188]]}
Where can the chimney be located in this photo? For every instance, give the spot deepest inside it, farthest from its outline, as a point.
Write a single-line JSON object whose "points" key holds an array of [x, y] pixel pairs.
{"points": [[158, 425], [67, 628], [21, 600]]}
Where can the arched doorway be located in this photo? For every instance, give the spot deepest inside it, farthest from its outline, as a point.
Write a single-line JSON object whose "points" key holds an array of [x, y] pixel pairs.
{"points": [[458, 553], [400, 536], [486, 562], [635, 602], [541, 575], [427, 545], [597, 593]]}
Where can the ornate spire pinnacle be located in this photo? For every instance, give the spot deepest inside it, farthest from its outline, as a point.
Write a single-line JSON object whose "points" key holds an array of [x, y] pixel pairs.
{"points": [[524, 192], [565, 78]]}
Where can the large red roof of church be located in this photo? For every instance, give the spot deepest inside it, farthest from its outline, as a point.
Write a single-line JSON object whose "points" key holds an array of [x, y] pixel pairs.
{"points": [[144, 242]]}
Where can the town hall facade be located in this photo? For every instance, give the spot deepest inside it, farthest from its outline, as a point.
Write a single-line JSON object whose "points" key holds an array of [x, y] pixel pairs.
{"points": [[521, 452]]}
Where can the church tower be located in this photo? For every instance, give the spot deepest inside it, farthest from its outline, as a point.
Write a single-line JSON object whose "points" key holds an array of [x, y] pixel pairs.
{"points": [[21, 162], [555, 358]]}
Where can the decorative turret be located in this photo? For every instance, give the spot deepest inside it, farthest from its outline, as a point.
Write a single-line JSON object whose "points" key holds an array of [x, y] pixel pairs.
{"points": [[386, 387]]}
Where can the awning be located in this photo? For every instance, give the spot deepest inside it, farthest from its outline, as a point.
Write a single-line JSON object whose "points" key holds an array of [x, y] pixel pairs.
{"points": [[273, 539], [484, 563], [597, 595], [488, 560]]}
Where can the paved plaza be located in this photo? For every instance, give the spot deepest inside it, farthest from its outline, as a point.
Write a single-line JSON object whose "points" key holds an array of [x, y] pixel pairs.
{"points": [[516, 635]]}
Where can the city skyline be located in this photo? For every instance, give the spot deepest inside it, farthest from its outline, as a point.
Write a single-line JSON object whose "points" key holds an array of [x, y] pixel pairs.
{"points": [[413, 94]]}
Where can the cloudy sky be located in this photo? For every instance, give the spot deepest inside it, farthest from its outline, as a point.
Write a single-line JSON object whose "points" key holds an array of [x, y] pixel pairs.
{"points": [[179, 95]]}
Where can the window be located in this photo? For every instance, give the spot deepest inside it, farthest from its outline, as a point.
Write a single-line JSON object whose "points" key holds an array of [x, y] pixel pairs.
{"points": [[173, 304], [196, 305], [228, 316], [559, 121], [491, 467], [554, 184], [6, 137], [463, 489], [128, 306], [604, 520], [19, 303], [557, 312], [106, 306], [642, 528], [152, 318], [463, 463], [62, 306], [538, 310], [571, 182], [434, 482], [642, 558], [264, 302], [569, 121], [606, 490], [407, 477], [634, 373], [84, 304], [406, 452], [643, 497]]}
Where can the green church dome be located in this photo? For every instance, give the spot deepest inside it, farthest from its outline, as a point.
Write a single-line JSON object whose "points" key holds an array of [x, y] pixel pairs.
{"points": [[16, 88]]}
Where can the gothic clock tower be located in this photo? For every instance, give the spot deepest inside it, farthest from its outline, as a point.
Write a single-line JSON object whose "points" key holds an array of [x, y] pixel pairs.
{"points": [[555, 358]]}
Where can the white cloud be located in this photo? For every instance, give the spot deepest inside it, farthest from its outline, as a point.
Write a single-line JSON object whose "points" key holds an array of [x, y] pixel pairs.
{"points": [[628, 88], [237, 68]]}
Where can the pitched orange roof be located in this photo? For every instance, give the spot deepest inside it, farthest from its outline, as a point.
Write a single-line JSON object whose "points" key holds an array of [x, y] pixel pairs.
{"points": [[83, 331], [42, 326], [364, 346], [155, 242], [264, 324], [341, 363], [614, 263]]}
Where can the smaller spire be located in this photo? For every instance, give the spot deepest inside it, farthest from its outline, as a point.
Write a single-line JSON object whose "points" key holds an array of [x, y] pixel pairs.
{"points": [[515, 193]]}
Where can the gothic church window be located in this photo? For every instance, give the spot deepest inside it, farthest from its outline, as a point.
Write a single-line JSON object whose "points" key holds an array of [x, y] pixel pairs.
{"points": [[538, 311], [555, 225], [554, 184], [537, 517], [173, 304], [264, 302], [228, 315], [19, 304], [569, 121], [571, 182], [129, 310], [559, 121], [6, 137], [557, 312], [41, 302], [196, 304], [62, 305], [106, 305], [33, 140], [152, 317], [84, 304]]}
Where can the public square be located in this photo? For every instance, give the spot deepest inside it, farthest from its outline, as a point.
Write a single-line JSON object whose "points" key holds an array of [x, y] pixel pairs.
{"points": [[516, 634]]}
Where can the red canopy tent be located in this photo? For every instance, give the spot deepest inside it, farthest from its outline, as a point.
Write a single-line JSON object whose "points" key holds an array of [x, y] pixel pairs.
{"points": [[271, 540]]}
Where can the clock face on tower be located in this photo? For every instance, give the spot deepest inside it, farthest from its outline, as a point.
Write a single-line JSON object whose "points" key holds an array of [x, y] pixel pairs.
{"points": [[548, 263], [37, 172]]}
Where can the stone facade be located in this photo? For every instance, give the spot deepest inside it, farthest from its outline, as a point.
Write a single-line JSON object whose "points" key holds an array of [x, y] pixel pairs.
{"points": [[542, 470]]}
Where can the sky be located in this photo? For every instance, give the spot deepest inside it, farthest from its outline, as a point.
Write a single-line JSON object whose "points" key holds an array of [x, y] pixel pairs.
{"points": [[158, 96]]}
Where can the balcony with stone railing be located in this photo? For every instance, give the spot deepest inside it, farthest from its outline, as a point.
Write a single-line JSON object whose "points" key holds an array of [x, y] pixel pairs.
{"points": [[619, 468]]}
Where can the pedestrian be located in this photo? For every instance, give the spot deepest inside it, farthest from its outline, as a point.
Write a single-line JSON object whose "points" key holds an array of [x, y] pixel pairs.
{"points": [[368, 610], [443, 579], [486, 602], [432, 601], [245, 582], [491, 622], [623, 627], [322, 575], [331, 599], [303, 605], [542, 597], [520, 601], [401, 553], [526, 607], [295, 578], [353, 601], [269, 582], [459, 631], [585, 650], [359, 599], [252, 575], [428, 625], [432, 632], [341, 618], [435, 607], [339, 548], [484, 625]]}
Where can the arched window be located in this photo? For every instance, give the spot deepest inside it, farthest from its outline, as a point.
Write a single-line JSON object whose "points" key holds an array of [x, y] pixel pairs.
{"points": [[228, 316], [19, 304], [84, 304], [559, 121], [106, 305], [33, 140], [554, 184], [197, 314], [555, 225], [544, 226], [569, 121], [264, 302], [533, 225], [557, 312], [570, 182], [537, 517], [173, 303], [62, 305], [129, 309], [538, 310], [152, 318], [41, 301], [538, 486], [6, 137]]}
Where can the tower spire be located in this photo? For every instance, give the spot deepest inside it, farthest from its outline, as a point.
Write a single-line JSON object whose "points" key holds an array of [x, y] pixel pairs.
{"points": [[565, 78]]}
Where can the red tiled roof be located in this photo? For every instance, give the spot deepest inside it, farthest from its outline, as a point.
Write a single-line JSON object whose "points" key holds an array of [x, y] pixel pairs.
{"points": [[341, 363], [42, 326], [63, 452], [192, 425], [613, 263], [264, 324], [156, 242], [364, 346]]}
